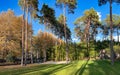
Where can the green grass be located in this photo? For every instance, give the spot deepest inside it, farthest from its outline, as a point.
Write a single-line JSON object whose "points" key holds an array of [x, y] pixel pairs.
{"points": [[83, 67]]}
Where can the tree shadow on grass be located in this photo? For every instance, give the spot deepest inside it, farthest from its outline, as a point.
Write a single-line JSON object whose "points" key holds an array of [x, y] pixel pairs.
{"points": [[23, 70], [81, 69], [102, 67], [43, 69], [56, 69], [53, 68]]}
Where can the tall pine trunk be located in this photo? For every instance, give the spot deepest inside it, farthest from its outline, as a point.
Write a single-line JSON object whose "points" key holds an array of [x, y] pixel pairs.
{"points": [[44, 53], [111, 34], [66, 41], [23, 39], [26, 36], [23, 35], [31, 40], [37, 55], [88, 37], [31, 54]]}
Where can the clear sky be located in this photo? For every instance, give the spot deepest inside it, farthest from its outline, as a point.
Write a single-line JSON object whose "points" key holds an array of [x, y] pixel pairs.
{"points": [[81, 7]]}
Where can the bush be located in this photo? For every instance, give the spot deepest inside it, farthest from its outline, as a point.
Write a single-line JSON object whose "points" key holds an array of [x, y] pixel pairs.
{"points": [[10, 58]]}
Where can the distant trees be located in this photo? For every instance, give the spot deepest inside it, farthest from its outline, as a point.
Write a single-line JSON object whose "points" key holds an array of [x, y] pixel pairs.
{"points": [[44, 43]]}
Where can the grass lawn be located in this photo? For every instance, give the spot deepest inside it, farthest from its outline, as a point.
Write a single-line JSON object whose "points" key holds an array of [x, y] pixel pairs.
{"points": [[83, 67]]}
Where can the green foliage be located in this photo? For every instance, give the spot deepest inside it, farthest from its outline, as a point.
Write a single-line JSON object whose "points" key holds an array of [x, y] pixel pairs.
{"points": [[116, 49], [48, 43], [115, 19], [91, 15], [81, 23], [102, 44], [103, 2], [10, 57], [70, 3], [49, 20], [61, 24]]}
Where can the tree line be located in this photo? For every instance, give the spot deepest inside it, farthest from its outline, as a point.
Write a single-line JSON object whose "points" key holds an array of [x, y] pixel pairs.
{"points": [[18, 40]]}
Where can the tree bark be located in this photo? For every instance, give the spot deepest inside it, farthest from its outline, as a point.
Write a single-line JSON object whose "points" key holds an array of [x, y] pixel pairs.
{"points": [[111, 35], [66, 41], [38, 56], [23, 38], [31, 48], [44, 53], [23, 35], [87, 36], [31, 40], [26, 36]]}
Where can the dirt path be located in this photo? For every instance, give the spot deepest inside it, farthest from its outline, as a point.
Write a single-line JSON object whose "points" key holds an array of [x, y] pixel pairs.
{"points": [[28, 65]]}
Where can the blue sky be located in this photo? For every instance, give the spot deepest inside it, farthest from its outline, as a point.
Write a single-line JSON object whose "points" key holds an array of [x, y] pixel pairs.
{"points": [[81, 7]]}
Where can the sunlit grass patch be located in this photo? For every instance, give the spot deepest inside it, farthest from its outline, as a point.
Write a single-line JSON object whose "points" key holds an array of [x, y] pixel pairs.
{"points": [[81, 67]]}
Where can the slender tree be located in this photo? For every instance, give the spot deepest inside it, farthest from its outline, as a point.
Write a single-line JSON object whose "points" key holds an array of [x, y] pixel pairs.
{"points": [[102, 2], [23, 39], [71, 4], [61, 23], [89, 18], [22, 3], [49, 20], [33, 8]]}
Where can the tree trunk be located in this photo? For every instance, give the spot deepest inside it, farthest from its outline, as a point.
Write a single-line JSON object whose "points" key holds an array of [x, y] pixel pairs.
{"points": [[31, 56], [87, 37], [66, 41], [26, 36], [111, 35], [23, 38], [44, 53], [38, 56], [31, 40], [31, 48], [23, 35], [88, 46]]}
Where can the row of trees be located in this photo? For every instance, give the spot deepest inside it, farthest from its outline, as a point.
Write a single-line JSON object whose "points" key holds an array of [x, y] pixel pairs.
{"points": [[45, 46], [47, 18], [86, 29]]}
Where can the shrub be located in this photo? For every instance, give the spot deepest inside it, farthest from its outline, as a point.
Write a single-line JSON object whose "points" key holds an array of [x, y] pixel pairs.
{"points": [[10, 58]]}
